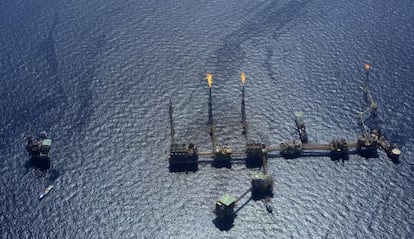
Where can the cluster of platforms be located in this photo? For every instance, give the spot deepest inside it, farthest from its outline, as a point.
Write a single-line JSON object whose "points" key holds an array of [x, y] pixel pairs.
{"points": [[185, 157]]}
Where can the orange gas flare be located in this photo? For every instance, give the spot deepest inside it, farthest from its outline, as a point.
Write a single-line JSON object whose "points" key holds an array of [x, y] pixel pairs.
{"points": [[209, 80], [367, 66], [243, 78]]}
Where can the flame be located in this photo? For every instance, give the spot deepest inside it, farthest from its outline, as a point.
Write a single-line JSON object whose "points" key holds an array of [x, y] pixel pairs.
{"points": [[209, 80], [367, 66], [243, 78]]}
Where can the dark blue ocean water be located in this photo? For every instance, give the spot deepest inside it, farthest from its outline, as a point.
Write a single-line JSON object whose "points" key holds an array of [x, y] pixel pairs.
{"points": [[98, 74]]}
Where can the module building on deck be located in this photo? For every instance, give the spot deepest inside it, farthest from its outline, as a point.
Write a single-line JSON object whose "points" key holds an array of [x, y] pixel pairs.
{"points": [[183, 157]]}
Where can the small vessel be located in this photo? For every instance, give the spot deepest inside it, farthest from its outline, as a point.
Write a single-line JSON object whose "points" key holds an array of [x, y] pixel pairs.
{"points": [[46, 192], [268, 205]]}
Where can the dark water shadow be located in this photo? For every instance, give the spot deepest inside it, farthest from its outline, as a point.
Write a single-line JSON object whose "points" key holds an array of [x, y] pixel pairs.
{"points": [[221, 164], [369, 153], [257, 196], [224, 224], [54, 175], [396, 161], [42, 164], [254, 163], [342, 156], [179, 168], [43, 168]]}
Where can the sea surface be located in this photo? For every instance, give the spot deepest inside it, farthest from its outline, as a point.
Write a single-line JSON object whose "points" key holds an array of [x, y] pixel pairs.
{"points": [[98, 76]]}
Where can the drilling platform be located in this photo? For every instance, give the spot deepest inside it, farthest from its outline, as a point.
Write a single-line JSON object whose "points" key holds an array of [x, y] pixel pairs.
{"points": [[185, 157]]}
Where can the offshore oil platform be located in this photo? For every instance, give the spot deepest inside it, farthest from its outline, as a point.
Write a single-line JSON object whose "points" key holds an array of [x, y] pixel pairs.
{"points": [[185, 157], [39, 149]]}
